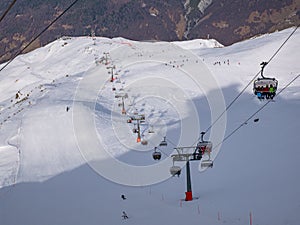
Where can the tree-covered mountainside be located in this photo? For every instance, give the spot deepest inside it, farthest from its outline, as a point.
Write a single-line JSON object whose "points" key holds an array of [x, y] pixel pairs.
{"points": [[228, 21]]}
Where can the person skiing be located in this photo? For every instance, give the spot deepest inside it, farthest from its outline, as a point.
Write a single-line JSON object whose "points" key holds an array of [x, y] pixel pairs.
{"points": [[123, 197], [124, 215]]}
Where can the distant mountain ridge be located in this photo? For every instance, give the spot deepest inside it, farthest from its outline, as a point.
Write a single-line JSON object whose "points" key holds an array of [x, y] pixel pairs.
{"points": [[227, 21]]}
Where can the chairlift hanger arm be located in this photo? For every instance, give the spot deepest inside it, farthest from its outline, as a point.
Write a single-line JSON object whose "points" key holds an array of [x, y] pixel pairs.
{"points": [[263, 64], [202, 134]]}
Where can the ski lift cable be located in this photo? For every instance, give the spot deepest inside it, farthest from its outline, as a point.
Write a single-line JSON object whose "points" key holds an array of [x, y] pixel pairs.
{"points": [[43, 31], [157, 147], [251, 81], [7, 10], [261, 108], [167, 139]]}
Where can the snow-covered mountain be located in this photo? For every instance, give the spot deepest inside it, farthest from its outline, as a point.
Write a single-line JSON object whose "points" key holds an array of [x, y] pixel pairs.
{"points": [[67, 153]]}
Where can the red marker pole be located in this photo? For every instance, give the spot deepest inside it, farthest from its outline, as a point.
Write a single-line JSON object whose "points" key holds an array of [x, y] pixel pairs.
{"points": [[250, 218]]}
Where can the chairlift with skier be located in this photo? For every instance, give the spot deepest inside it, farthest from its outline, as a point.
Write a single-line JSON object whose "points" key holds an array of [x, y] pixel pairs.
{"points": [[265, 87], [156, 154], [204, 148]]}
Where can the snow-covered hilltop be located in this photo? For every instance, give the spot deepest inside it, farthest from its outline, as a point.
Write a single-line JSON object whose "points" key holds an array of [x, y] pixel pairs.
{"points": [[62, 123]]}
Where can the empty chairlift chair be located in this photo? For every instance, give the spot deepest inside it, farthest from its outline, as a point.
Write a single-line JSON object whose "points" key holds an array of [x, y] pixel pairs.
{"points": [[175, 170], [163, 142], [144, 141], [151, 131]]}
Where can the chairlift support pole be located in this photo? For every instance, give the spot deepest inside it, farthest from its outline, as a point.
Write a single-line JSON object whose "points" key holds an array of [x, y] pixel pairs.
{"points": [[106, 57], [123, 106], [181, 156], [138, 119], [122, 96], [185, 157], [139, 133], [112, 72], [188, 194]]}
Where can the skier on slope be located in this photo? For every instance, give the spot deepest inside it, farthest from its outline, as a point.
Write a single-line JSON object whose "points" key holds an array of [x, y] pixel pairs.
{"points": [[124, 215]]}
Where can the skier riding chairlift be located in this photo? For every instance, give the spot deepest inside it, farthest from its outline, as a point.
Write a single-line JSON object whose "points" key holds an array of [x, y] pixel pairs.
{"points": [[156, 154], [264, 86], [205, 148]]}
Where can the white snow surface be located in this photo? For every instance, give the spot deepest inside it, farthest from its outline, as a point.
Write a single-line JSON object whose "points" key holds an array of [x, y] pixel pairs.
{"points": [[47, 178]]}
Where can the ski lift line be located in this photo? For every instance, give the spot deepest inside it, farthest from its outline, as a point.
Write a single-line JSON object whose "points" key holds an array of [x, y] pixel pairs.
{"points": [[261, 108], [283, 43], [7, 10], [168, 140], [149, 140], [251, 81], [227, 107], [43, 31]]}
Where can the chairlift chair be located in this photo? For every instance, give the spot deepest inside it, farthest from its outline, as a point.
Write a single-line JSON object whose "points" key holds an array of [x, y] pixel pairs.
{"points": [[118, 95], [135, 130], [265, 86], [142, 117], [163, 142], [205, 147], [207, 163], [156, 154], [151, 131], [130, 103], [175, 170], [144, 142]]}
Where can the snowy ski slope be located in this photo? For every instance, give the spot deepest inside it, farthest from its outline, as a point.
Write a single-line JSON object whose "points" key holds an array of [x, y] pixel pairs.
{"points": [[61, 166]]}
